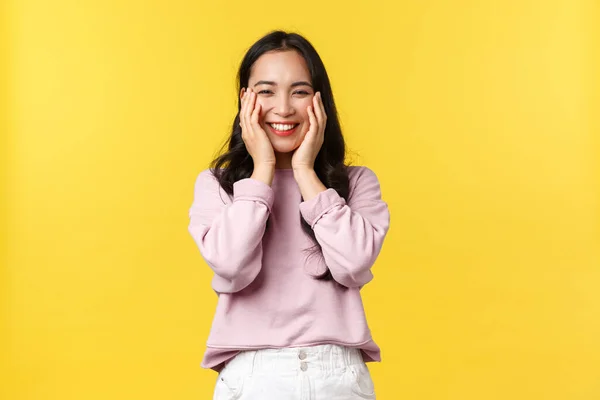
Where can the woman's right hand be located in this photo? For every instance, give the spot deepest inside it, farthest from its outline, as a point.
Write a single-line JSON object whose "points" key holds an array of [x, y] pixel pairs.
{"points": [[256, 140]]}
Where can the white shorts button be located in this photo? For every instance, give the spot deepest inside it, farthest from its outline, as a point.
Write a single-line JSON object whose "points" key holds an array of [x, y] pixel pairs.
{"points": [[302, 355], [303, 366]]}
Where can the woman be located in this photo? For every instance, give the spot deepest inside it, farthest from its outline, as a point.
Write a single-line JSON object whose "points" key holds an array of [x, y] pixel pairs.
{"points": [[291, 233]]}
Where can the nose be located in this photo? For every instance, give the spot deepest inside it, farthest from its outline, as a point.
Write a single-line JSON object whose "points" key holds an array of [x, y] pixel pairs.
{"points": [[284, 107]]}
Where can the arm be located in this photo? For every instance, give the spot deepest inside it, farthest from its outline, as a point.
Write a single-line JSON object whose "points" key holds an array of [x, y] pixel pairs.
{"points": [[351, 235], [229, 231]]}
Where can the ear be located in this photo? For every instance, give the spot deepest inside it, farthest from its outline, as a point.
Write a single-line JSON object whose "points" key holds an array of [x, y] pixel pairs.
{"points": [[242, 92]]}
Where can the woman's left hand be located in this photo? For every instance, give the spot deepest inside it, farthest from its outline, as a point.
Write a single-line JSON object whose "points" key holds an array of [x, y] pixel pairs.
{"points": [[304, 156]]}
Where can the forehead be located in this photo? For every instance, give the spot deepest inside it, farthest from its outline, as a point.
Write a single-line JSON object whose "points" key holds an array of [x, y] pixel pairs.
{"points": [[282, 67]]}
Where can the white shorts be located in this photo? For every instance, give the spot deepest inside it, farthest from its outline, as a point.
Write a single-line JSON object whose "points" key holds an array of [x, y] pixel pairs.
{"points": [[325, 372]]}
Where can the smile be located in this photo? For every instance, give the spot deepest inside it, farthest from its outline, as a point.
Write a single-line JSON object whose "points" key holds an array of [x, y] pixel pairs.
{"points": [[283, 129]]}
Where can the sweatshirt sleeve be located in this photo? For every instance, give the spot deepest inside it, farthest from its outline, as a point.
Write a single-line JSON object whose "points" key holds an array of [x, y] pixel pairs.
{"points": [[229, 230], [351, 235]]}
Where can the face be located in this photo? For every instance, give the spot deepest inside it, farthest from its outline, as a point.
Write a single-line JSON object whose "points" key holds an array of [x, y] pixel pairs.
{"points": [[283, 85]]}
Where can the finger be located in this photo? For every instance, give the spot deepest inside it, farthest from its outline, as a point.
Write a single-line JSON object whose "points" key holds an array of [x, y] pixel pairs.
{"points": [[320, 135], [254, 118], [245, 113], [313, 121], [249, 108], [243, 110], [322, 108], [317, 109]]}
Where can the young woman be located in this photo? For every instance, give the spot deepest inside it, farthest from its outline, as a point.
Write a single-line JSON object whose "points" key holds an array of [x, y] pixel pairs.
{"points": [[291, 233]]}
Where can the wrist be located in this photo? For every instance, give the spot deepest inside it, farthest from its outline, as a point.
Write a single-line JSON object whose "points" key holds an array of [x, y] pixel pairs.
{"points": [[264, 173], [309, 183], [265, 165], [303, 171]]}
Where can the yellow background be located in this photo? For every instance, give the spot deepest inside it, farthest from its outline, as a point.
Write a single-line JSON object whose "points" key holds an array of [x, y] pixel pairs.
{"points": [[479, 117]]}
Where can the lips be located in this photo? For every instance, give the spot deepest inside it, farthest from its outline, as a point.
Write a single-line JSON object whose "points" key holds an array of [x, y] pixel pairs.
{"points": [[283, 128]]}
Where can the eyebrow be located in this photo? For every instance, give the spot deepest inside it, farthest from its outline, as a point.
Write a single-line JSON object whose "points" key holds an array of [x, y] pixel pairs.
{"points": [[299, 83]]}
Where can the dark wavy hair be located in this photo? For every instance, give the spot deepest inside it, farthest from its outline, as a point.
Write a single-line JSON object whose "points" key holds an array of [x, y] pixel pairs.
{"points": [[235, 162]]}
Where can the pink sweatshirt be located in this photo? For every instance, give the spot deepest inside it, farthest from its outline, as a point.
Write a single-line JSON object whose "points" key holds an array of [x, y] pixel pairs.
{"points": [[268, 296]]}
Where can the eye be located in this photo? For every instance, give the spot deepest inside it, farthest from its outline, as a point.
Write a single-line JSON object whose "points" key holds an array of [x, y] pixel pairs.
{"points": [[265, 91], [301, 92]]}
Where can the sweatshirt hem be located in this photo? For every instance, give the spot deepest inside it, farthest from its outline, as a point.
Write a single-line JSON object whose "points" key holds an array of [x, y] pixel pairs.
{"points": [[306, 344]]}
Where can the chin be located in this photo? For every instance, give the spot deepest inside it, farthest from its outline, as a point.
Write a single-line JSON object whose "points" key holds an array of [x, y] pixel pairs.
{"points": [[284, 149], [284, 145]]}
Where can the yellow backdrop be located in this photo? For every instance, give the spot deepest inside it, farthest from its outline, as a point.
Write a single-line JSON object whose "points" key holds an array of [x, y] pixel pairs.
{"points": [[479, 117]]}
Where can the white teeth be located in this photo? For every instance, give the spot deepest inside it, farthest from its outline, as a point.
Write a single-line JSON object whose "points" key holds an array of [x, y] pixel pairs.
{"points": [[282, 127]]}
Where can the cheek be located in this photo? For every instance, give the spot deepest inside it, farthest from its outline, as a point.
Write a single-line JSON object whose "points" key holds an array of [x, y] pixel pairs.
{"points": [[263, 106], [303, 109]]}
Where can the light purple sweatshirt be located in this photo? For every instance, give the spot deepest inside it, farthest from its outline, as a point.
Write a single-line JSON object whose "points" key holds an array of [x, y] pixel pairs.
{"points": [[264, 274]]}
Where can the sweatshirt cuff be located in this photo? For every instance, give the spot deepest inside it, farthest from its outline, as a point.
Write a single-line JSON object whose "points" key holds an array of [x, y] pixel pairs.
{"points": [[320, 205], [253, 190]]}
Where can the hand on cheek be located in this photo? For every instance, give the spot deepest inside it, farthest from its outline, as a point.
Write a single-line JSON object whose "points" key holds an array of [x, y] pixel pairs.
{"points": [[254, 137], [305, 155]]}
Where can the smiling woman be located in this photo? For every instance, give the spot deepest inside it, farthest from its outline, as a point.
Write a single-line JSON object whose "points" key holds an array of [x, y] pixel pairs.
{"points": [[281, 81], [288, 326]]}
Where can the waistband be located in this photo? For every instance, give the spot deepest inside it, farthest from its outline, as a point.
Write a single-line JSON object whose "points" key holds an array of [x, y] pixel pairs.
{"points": [[324, 359]]}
